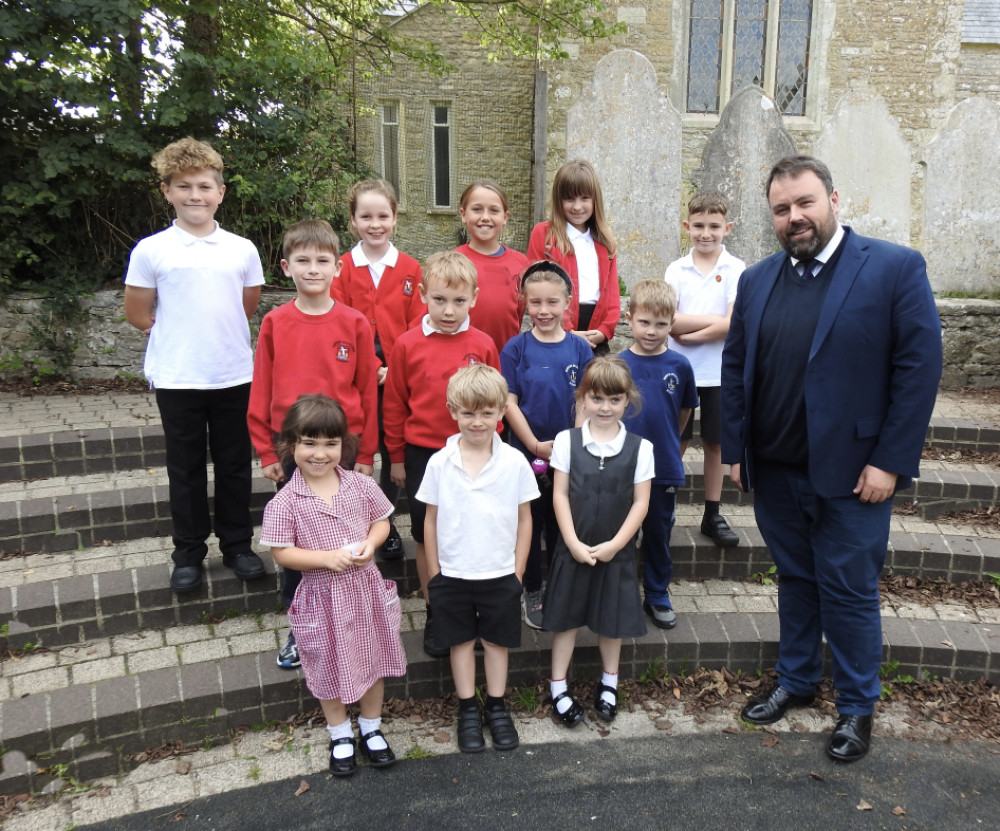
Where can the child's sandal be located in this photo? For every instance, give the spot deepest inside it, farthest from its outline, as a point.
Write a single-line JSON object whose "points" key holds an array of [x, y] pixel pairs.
{"points": [[606, 710], [573, 715]]}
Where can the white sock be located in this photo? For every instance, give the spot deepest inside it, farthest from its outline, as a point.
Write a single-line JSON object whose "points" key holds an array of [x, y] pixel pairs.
{"points": [[609, 679], [341, 731], [365, 726], [557, 688]]}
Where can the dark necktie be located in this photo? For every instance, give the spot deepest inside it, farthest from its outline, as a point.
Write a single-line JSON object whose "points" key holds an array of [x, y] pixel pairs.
{"points": [[809, 269]]}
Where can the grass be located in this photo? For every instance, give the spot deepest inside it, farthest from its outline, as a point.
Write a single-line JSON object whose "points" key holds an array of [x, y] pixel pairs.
{"points": [[653, 672], [417, 752], [526, 698]]}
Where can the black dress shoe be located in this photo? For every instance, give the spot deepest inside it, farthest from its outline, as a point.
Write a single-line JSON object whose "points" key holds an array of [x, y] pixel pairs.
{"points": [[470, 731], [718, 530], [392, 548], [185, 579], [377, 758], [606, 711], [343, 767], [502, 729], [769, 708], [246, 565], [851, 739]]}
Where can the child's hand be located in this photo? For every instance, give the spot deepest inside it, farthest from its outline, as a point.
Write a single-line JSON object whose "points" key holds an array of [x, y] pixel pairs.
{"points": [[274, 472], [397, 472], [604, 552], [366, 470], [382, 372], [339, 559], [582, 553], [363, 556], [543, 450]]}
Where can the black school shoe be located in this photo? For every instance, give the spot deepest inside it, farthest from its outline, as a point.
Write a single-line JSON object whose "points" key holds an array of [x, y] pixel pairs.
{"points": [[377, 758], [470, 731], [186, 579], [246, 565], [343, 767], [392, 548], [502, 729], [606, 710], [717, 529]]}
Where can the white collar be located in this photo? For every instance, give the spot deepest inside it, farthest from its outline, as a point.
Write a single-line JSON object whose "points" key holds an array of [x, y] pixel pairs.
{"points": [[187, 238], [574, 234], [455, 452], [428, 327], [612, 447], [388, 259]]}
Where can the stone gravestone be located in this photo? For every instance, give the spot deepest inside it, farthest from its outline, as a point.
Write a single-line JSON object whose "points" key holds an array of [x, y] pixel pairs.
{"points": [[749, 138], [962, 200], [870, 163], [628, 129]]}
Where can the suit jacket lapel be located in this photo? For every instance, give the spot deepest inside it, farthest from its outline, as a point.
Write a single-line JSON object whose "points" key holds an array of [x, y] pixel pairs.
{"points": [[755, 311], [852, 258]]}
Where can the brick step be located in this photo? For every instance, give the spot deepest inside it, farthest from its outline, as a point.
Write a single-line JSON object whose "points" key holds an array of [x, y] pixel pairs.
{"points": [[56, 600], [93, 449], [76, 512], [96, 704]]}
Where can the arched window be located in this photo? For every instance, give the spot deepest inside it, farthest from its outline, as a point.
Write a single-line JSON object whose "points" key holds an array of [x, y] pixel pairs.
{"points": [[737, 43]]}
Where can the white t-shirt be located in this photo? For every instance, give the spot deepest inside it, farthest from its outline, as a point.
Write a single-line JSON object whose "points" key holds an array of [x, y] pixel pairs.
{"points": [[644, 465], [201, 339], [376, 269], [588, 273], [701, 295], [477, 518]]}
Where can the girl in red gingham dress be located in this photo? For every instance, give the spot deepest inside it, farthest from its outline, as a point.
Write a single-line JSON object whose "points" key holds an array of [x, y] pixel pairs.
{"points": [[327, 523]]}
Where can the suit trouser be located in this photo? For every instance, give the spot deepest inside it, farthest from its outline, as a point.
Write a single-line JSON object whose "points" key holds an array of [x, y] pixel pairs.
{"points": [[829, 553], [186, 415]]}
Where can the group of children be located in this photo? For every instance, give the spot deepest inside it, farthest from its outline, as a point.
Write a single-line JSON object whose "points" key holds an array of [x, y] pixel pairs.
{"points": [[424, 366]]}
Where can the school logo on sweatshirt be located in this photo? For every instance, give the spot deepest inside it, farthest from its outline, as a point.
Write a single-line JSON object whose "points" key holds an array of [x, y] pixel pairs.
{"points": [[343, 350], [671, 382], [408, 287], [471, 359], [571, 372]]}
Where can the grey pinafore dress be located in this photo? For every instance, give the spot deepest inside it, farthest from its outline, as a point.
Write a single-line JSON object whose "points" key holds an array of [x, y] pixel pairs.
{"points": [[604, 597]]}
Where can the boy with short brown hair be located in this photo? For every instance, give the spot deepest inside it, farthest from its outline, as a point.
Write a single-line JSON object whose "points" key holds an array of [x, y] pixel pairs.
{"points": [[705, 282]]}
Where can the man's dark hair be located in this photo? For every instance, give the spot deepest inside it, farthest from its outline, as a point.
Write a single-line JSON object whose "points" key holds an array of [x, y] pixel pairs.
{"points": [[795, 166]]}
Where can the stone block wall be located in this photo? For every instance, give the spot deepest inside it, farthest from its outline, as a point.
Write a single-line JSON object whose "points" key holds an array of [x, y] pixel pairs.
{"points": [[110, 348], [491, 112]]}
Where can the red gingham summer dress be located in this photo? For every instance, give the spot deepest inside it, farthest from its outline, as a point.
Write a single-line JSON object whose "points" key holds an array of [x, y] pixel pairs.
{"points": [[346, 624]]}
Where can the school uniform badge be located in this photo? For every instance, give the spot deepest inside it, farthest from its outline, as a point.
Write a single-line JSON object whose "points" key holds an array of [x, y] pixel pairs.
{"points": [[343, 350], [408, 287], [670, 382]]}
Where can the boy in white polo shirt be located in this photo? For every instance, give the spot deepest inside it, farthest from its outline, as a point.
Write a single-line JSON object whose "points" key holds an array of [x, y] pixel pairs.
{"points": [[477, 532], [191, 289], [705, 282]]}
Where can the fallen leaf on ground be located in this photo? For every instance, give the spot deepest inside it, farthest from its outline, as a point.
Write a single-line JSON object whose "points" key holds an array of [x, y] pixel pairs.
{"points": [[817, 777], [664, 724], [898, 811], [183, 766], [442, 737], [770, 742], [731, 730], [302, 788], [864, 806]]}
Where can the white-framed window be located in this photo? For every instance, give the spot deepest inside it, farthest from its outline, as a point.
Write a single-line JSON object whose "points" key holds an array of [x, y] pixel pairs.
{"points": [[738, 43], [441, 156], [389, 144]]}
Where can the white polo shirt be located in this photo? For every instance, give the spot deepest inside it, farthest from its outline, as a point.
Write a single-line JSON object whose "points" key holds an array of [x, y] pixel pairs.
{"points": [[376, 269], [477, 518], [201, 338], [645, 466], [698, 294]]}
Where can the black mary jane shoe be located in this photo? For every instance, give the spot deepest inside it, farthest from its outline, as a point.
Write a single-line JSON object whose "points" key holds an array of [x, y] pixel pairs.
{"points": [[470, 731], [606, 711], [377, 758], [573, 716], [851, 738], [346, 766]]}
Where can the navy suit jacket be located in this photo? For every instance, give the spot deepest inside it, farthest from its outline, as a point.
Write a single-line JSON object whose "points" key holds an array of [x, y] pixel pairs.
{"points": [[873, 370]]}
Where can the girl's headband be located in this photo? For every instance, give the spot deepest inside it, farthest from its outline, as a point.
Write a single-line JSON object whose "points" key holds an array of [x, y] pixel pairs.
{"points": [[548, 267]]}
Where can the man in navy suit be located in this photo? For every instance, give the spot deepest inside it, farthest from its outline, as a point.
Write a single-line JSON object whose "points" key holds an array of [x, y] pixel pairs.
{"points": [[829, 376]]}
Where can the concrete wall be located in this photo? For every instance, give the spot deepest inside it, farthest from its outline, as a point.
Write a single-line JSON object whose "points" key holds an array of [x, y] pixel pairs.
{"points": [[109, 347]]}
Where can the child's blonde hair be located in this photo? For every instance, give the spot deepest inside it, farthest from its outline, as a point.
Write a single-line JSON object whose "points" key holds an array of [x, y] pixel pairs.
{"points": [[657, 297], [380, 186], [314, 417], [452, 269], [609, 375], [488, 184], [708, 202], [187, 154], [310, 233], [578, 178], [546, 271], [477, 387]]}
